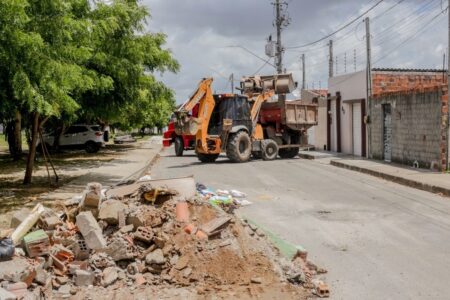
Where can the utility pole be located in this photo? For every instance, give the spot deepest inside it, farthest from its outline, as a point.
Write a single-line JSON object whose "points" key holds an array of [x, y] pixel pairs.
{"points": [[282, 20], [369, 86], [448, 86], [330, 62], [345, 63], [232, 82], [304, 72], [337, 65]]}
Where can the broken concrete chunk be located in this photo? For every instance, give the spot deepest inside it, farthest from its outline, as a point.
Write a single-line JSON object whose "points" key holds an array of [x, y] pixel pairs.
{"points": [[27, 224], [156, 257], [7, 295], [110, 210], [15, 270], [118, 250], [182, 263], [109, 276], [19, 289], [214, 225], [92, 196], [91, 231], [84, 278], [144, 234]]}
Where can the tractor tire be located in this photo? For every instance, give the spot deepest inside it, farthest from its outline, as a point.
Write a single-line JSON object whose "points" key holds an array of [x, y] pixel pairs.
{"points": [[179, 146], [239, 148], [207, 158], [288, 152], [269, 149]]}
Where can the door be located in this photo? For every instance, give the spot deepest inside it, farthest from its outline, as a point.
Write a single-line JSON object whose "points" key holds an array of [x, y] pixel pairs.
{"points": [[333, 126], [357, 129], [387, 132]]}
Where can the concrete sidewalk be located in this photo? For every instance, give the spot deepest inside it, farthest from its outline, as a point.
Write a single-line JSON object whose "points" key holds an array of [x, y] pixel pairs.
{"points": [[430, 181], [130, 166], [435, 182]]}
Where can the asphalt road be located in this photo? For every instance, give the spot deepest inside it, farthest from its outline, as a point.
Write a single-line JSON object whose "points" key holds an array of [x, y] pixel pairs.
{"points": [[378, 240]]}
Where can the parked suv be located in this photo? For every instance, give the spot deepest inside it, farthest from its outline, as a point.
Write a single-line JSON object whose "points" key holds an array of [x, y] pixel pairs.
{"points": [[89, 137]]}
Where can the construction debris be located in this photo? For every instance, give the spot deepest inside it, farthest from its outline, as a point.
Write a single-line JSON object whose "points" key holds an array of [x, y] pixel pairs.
{"points": [[180, 238]]}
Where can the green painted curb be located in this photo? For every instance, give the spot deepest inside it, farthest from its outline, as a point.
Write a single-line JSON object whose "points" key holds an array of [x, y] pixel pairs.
{"points": [[287, 249]]}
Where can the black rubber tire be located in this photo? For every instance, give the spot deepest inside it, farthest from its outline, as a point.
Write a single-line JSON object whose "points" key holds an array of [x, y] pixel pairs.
{"points": [[179, 146], [239, 148], [269, 149], [288, 152], [207, 158], [91, 147]]}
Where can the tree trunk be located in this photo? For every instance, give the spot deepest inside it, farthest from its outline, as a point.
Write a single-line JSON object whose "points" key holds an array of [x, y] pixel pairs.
{"points": [[32, 150], [17, 153], [58, 132]]}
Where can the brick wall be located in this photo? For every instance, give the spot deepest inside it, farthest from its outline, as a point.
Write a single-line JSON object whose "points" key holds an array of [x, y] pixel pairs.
{"points": [[394, 81], [419, 125]]}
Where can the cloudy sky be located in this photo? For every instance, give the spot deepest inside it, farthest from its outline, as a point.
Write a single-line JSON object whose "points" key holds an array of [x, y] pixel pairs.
{"points": [[205, 36]]}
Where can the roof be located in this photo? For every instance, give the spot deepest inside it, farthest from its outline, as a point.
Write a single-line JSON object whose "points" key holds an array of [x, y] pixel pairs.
{"points": [[409, 70]]}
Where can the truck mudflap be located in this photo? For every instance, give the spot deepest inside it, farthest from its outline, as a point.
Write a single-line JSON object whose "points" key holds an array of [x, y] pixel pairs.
{"points": [[167, 142]]}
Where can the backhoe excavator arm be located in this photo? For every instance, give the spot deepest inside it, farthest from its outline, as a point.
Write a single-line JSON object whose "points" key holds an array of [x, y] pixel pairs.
{"points": [[197, 126], [256, 108]]}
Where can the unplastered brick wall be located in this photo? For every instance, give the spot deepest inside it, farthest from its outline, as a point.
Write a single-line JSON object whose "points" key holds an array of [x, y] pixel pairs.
{"points": [[394, 81], [419, 120]]}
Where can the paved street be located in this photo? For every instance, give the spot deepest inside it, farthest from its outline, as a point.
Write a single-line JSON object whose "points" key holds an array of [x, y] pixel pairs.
{"points": [[378, 240]]}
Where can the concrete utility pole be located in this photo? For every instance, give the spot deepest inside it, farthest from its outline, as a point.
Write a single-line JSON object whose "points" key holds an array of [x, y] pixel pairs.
{"points": [[369, 86], [330, 62], [448, 85], [281, 21], [232, 82], [304, 72]]}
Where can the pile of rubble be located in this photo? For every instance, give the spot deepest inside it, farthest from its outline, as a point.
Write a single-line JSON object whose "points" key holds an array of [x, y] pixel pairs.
{"points": [[155, 233]]}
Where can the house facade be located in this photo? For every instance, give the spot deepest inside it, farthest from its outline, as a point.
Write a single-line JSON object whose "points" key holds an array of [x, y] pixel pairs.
{"points": [[405, 121]]}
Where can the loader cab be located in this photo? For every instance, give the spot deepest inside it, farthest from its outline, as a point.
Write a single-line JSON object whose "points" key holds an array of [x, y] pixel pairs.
{"points": [[230, 106]]}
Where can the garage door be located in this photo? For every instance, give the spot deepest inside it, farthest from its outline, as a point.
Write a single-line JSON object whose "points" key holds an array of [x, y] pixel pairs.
{"points": [[357, 129]]}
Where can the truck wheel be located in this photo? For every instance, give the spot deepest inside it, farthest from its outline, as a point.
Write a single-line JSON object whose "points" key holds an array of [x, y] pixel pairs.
{"points": [[288, 152], [269, 149], [179, 146], [239, 148], [91, 147], [207, 158]]}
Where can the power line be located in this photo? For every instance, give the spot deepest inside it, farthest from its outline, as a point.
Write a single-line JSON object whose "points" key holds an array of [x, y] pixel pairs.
{"points": [[252, 53], [340, 29]]}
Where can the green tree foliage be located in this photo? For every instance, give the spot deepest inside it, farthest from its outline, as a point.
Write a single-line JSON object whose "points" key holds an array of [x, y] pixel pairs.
{"points": [[78, 57]]}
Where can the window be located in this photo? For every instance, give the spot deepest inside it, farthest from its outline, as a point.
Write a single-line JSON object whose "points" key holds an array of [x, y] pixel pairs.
{"points": [[75, 129], [95, 128]]}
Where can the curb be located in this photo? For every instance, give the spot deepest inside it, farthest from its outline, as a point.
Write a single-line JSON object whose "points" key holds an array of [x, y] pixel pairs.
{"points": [[397, 179], [306, 156]]}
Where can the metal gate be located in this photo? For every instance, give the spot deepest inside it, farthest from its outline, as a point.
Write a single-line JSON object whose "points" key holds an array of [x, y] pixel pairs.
{"points": [[357, 130], [387, 132]]}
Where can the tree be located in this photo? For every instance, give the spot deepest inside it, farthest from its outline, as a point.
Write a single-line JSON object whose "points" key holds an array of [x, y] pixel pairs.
{"points": [[74, 57]]}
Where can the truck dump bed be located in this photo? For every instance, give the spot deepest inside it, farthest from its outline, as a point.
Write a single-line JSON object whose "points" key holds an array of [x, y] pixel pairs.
{"points": [[294, 114]]}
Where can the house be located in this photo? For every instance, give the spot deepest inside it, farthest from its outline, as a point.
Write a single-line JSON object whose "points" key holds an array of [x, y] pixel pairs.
{"points": [[317, 134], [407, 116]]}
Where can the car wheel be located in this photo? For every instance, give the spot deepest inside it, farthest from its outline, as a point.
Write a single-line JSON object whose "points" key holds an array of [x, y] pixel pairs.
{"points": [[179, 146], [91, 147]]}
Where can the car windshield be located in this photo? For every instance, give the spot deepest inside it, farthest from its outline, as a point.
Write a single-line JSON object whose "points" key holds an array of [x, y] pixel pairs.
{"points": [[96, 128]]}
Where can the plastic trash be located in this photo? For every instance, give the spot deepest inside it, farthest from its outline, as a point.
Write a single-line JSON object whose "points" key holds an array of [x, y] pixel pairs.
{"points": [[200, 187], [243, 202], [217, 200], [145, 178], [238, 194], [222, 192], [6, 249]]}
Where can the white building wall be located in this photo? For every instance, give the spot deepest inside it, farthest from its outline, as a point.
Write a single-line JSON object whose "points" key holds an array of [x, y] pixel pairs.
{"points": [[351, 87]]}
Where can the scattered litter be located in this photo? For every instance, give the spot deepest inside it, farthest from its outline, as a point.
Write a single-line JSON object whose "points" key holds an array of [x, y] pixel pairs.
{"points": [[6, 249], [145, 178]]}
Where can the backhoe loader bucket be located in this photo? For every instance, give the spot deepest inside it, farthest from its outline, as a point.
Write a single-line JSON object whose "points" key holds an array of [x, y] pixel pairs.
{"points": [[186, 125], [281, 83]]}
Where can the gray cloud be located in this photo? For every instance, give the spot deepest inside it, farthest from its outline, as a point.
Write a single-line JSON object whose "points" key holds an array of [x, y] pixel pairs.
{"points": [[199, 32]]}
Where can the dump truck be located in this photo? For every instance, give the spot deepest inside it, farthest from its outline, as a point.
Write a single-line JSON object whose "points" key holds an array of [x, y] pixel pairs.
{"points": [[246, 125]]}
